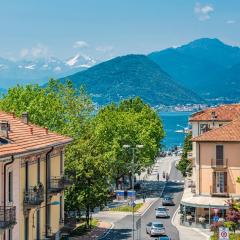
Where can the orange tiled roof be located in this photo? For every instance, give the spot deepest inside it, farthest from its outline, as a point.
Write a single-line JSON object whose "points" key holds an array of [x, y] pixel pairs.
{"points": [[28, 137], [228, 133], [223, 113]]}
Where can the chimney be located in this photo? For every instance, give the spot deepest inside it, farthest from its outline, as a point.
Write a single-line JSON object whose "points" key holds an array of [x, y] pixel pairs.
{"points": [[25, 117], [31, 130], [214, 116], [5, 128], [46, 130]]}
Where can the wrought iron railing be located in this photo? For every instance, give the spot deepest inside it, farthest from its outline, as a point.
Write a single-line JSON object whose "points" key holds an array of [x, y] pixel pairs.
{"points": [[34, 196], [219, 192], [219, 163], [58, 184], [7, 217]]}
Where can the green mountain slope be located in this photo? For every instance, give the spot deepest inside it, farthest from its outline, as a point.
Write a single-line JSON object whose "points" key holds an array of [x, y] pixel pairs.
{"points": [[202, 65], [129, 76]]}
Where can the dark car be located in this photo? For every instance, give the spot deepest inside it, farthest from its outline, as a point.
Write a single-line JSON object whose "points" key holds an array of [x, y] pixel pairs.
{"points": [[167, 201]]}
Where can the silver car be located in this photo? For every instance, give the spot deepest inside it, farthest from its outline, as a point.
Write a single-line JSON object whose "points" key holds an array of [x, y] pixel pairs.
{"points": [[161, 212], [155, 229]]}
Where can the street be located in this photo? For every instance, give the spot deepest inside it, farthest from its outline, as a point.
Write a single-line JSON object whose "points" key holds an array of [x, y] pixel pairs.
{"points": [[123, 223]]}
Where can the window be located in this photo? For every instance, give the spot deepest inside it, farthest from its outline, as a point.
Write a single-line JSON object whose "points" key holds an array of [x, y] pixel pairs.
{"points": [[10, 234], [38, 170], [203, 128], [60, 208], [219, 154], [61, 163], [10, 186], [26, 175], [26, 225], [38, 225]]}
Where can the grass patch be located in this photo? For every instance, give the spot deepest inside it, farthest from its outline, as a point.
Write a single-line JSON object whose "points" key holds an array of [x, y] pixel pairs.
{"points": [[231, 237], [82, 228], [127, 208]]}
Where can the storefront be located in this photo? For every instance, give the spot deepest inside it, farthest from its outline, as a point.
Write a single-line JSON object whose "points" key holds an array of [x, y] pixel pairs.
{"points": [[201, 211]]}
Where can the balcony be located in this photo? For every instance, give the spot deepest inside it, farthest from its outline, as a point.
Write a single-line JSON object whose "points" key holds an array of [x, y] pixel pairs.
{"points": [[7, 217], [218, 193], [219, 164], [34, 196], [58, 184]]}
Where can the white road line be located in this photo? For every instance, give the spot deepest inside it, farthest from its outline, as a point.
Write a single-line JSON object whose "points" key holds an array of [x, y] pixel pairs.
{"points": [[108, 231]]}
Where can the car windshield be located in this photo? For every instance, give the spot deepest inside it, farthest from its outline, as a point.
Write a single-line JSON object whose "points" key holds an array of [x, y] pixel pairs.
{"points": [[168, 199], [161, 209], [157, 225]]}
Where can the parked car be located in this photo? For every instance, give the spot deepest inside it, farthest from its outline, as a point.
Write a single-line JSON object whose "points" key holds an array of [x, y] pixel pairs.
{"points": [[167, 201], [155, 229], [161, 212]]}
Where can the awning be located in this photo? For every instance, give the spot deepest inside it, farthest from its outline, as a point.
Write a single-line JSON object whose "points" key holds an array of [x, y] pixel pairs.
{"points": [[205, 202]]}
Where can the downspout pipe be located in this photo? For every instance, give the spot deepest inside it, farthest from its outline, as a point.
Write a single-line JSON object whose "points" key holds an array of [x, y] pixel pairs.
{"points": [[4, 188], [46, 192]]}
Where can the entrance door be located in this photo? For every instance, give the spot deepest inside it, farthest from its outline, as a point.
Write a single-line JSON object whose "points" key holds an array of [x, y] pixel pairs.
{"points": [[220, 182]]}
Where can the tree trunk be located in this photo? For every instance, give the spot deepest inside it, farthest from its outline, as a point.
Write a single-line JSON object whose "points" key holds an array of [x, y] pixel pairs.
{"points": [[87, 216]]}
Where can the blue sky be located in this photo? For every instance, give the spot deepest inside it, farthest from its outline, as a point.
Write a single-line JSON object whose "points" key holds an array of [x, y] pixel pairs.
{"points": [[107, 28]]}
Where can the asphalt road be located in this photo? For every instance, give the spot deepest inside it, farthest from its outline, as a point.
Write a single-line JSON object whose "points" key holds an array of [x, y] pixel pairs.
{"points": [[123, 226]]}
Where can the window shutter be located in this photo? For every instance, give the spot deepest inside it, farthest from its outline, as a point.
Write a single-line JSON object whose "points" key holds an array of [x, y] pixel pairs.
{"points": [[214, 182], [225, 181], [219, 154]]}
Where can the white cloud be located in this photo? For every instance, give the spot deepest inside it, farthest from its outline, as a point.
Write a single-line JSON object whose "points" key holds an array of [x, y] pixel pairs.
{"points": [[37, 51], [80, 44], [104, 49], [203, 11], [231, 21]]}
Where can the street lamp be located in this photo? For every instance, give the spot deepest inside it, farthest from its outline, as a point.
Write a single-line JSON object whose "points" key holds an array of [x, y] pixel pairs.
{"points": [[138, 146]]}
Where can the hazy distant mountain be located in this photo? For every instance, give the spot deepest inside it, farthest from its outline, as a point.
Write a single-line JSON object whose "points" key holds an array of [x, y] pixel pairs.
{"points": [[129, 76], [202, 65], [39, 70]]}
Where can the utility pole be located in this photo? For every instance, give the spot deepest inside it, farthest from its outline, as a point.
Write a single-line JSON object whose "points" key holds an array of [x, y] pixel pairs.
{"points": [[133, 174]]}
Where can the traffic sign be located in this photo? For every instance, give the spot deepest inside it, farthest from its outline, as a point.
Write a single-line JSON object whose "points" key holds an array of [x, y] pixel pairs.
{"points": [[132, 204], [223, 233], [215, 218]]}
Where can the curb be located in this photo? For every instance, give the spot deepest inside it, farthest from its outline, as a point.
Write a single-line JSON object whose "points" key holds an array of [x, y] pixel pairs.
{"points": [[194, 229], [107, 232]]}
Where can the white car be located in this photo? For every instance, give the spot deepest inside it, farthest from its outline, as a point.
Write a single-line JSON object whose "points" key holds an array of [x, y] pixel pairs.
{"points": [[155, 229], [161, 212]]}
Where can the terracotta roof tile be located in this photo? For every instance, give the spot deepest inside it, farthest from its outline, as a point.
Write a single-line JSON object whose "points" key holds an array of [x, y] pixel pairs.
{"points": [[22, 140], [227, 133], [223, 113]]}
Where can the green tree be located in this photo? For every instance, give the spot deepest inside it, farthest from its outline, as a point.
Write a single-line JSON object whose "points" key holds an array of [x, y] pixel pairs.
{"points": [[184, 164], [60, 107], [131, 122]]}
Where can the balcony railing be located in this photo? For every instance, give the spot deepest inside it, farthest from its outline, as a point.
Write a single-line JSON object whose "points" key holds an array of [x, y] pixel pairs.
{"points": [[7, 217], [219, 193], [219, 163], [34, 196], [58, 184]]}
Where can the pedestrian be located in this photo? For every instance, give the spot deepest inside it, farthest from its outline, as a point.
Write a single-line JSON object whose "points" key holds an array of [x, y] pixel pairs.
{"points": [[163, 174], [158, 177], [144, 197], [167, 177]]}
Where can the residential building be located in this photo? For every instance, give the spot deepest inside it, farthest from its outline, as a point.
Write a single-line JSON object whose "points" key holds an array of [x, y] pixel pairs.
{"points": [[215, 163], [31, 180]]}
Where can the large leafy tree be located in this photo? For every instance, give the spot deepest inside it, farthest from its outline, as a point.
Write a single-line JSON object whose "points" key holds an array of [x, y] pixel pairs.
{"points": [[184, 164], [131, 122], [60, 107]]}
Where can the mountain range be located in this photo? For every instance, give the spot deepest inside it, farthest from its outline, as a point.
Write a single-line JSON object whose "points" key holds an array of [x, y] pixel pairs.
{"points": [[206, 66], [130, 76], [39, 70], [202, 69]]}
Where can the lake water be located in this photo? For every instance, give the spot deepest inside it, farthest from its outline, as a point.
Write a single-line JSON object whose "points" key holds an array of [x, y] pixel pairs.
{"points": [[171, 120]]}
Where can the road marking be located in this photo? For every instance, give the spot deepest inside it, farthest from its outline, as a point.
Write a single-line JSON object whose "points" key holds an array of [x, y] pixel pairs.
{"points": [[108, 231]]}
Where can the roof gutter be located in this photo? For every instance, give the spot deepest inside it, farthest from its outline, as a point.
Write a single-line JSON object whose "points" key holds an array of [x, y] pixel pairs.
{"points": [[4, 189], [46, 192]]}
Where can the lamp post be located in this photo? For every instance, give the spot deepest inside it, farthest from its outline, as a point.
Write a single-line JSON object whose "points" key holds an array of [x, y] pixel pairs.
{"points": [[138, 146], [54, 203]]}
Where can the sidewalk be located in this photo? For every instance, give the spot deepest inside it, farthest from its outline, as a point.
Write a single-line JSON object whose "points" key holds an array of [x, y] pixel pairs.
{"points": [[188, 233], [96, 233]]}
